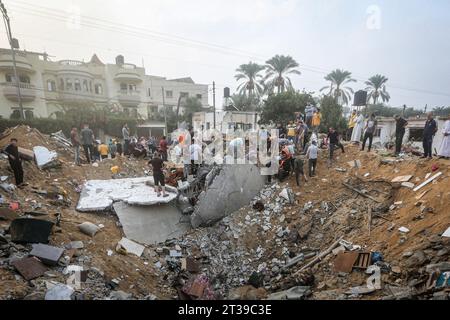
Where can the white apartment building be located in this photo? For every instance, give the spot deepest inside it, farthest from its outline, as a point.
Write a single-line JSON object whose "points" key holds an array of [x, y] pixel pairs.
{"points": [[47, 86]]}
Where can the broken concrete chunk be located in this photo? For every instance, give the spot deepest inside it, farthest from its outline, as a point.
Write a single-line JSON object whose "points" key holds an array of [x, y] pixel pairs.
{"points": [[295, 293], [131, 247], [75, 245], [403, 229], [120, 295], [402, 178], [47, 254], [88, 228], [59, 292], [446, 233], [409, 185], [45, 158]]}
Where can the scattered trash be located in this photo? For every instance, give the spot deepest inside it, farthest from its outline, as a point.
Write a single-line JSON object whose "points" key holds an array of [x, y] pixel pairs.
{"points": [[409, 185], [88, 228], [437, 175], [294, 293], [403, 229], [446, 233], [402, 178], [345, 261]]}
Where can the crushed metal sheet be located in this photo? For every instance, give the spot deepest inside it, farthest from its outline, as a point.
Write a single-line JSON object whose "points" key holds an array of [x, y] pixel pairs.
{"points": [[30, 268], [344, 261]]}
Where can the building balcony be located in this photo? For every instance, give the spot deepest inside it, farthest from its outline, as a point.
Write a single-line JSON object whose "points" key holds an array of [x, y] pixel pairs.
{"points": [[128, 72], [129, 97], [22, 64], [27, 91], [75, 96]]}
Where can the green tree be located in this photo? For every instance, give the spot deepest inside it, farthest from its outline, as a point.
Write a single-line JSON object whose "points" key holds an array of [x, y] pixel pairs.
{"points": [[243, 103], [338, 79], [250, 77], [376, 86], [281, 108], [332, 115], [277, 70]]}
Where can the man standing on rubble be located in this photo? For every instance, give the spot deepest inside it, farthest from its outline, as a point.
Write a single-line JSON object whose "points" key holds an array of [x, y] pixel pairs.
{"points": [[312, 154], [429, 131], [76, 144], [444, 150], [12, 151], [371, 127], [400, 125], [87, 139], [333, 142], [158, 175], [126, 139]]}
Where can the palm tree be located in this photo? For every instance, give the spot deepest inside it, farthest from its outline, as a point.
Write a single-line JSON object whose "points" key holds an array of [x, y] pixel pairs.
{"points": [[277, 70], [377, 88], [338, 79], [250, 73]]}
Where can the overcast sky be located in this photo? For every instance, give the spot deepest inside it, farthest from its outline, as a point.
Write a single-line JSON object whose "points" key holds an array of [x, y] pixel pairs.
{"points": [[406, 40]]}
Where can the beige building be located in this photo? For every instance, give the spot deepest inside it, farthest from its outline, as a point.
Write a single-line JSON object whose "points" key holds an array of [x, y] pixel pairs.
{"points": [[48, 86]]}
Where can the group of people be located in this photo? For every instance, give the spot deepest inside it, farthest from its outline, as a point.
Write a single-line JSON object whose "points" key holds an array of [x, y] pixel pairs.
{"points": [[359, 127], [96, 150]]}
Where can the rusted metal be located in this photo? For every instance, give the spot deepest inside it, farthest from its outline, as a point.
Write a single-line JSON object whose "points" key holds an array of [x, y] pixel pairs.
{"points": [[344, 261], [30, 268]]}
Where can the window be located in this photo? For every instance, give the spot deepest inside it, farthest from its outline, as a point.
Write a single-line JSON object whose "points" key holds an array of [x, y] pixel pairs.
{"points": [[126, 111], [69, 84], [208, 125], [90, 86], [85, 86], [123, 87], [134, 113], [98, 88], [51, 85], [184, 94], [24, 79], [169, 94], [9, 78], [199, 96], [149, 92], [377, 132], [15, 114], [29, 114], [77, 85], [61, 84], [132, 87]]}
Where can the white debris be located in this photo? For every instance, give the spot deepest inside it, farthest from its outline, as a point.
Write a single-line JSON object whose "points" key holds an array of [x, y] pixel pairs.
{"points": [[131, 246], [403, 229], [44, 157]]}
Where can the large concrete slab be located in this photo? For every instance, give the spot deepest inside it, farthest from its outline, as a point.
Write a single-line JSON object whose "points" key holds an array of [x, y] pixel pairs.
{"points": [[234, 187], [150, 225], [99, 195]]}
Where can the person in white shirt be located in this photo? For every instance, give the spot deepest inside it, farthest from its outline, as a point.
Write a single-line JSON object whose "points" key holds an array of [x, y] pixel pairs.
{"points": [[195, 151], [444, 150], [311, 155]]}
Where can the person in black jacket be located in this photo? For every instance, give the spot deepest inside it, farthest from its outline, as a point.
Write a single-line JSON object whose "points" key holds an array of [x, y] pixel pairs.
{"points": [[429, 131], [12, 151]]}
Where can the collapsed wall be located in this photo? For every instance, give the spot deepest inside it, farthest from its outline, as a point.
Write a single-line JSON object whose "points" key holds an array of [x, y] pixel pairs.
{"points": [[234, 187]]}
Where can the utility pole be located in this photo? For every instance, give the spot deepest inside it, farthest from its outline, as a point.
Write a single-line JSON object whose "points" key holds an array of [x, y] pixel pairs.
{"points": [[164, 107], [214, 103], [13, 52]]}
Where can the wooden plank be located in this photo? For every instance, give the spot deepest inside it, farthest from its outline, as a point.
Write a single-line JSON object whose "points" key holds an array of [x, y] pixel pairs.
{"points": [[420, 196], [402, 178], [437, 175], [361, 193]]}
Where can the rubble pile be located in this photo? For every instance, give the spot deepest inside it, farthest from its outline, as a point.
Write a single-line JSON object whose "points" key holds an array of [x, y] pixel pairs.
{"points": [[369, 226]]}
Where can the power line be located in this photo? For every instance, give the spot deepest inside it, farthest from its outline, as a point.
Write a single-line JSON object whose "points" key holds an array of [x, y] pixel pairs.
{"points": [[176, 40]]}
